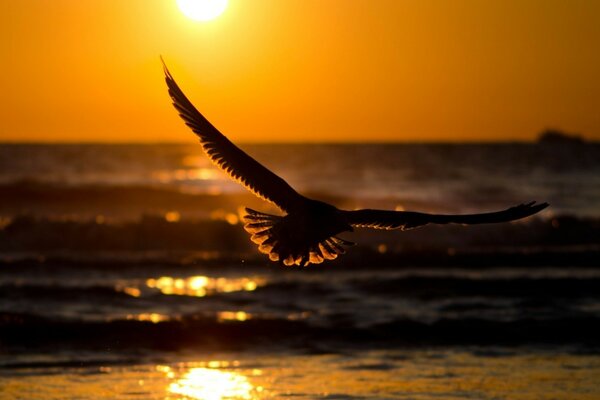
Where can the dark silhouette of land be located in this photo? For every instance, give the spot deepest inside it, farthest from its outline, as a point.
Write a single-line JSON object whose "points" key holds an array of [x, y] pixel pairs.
{"points": [[555, 136]]}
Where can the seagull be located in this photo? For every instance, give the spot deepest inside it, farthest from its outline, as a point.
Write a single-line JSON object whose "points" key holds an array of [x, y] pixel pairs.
{"points": [[306, 234]]}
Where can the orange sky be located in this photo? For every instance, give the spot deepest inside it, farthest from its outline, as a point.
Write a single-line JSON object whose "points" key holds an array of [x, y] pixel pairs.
{"points": [[301, 70]]}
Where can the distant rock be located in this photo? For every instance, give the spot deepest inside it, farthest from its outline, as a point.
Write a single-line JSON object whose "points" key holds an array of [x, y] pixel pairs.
{"points": [[555, 136]]}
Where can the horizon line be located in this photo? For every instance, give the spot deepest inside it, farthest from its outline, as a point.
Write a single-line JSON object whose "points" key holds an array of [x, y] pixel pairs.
{"points": [[193, 142]]}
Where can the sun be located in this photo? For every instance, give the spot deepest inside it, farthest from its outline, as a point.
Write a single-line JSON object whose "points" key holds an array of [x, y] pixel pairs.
{"points": [[202, 10]]}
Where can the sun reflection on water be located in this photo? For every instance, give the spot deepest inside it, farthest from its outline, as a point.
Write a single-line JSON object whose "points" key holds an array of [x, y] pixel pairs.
{"points": [[222, 215], [233, 316], [209, 383], [189, 174], [200, 286], [151, 317]]}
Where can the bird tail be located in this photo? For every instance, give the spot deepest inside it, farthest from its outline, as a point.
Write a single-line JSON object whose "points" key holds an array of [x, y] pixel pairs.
{"points": [[260, 227], [265, 232]]}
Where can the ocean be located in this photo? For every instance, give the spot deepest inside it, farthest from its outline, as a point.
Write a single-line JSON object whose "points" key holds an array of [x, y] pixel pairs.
{"points": [[125, 273]]}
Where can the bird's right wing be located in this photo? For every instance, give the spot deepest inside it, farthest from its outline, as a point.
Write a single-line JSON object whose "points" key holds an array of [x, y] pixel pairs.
{"points": [[382, 219], [227, 156]]}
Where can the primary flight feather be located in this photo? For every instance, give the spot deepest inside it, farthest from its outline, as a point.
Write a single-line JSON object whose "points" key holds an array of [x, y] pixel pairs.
{"points": [[307, 233]]}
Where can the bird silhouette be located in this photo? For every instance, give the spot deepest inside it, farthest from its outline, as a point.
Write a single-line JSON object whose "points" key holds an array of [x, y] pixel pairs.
{"points": [[307, 232]]}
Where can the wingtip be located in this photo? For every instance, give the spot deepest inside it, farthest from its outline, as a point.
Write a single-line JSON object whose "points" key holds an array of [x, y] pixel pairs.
{"points": [[165, 69], [536, 208], [543, 205], [536, 205]]}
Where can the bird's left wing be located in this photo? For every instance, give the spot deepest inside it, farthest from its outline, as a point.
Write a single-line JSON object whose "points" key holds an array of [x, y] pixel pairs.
{"points": [[237, 164], [382, 219]]}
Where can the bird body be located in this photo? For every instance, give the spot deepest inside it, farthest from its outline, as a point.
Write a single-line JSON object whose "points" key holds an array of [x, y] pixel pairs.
{"points": [[306, 234]]}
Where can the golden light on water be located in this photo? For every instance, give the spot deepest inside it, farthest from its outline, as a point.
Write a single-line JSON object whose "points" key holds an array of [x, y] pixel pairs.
{"points": [[211, 384], [150, 317], [132, 291], [232, 219], [233, 316], [222, 215], [200, 286], [172, 216], [193, 160], [193, 174], [409, 373]]}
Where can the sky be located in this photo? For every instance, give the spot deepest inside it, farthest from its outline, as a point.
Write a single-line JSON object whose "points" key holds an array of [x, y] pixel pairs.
{"points": [[301, 70]]}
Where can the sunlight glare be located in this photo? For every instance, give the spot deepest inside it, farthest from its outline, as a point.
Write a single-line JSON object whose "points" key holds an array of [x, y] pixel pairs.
{"points": [[233, 316], [172, 216], [202, 10], [155, 318], [200, 286], [211, 384]]}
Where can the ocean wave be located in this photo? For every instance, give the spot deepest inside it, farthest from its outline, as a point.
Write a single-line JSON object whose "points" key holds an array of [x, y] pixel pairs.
{"points": [[285, 294], [28, 233], [35, 332], [447, 287], [57, 293]]}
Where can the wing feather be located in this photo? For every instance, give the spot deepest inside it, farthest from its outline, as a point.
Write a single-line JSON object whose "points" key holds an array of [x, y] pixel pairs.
{"points": [[232, 160], [382, 219]]}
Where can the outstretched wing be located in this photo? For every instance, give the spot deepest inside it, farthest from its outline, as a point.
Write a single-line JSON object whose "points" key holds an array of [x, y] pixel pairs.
{"points": [[239, 165], [381, 219]]}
